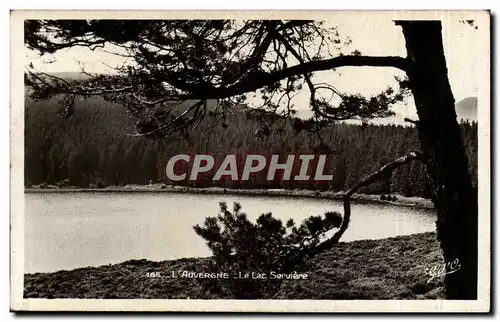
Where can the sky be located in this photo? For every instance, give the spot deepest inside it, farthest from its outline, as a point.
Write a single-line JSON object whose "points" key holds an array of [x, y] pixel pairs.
{"points": [[371, 33]]}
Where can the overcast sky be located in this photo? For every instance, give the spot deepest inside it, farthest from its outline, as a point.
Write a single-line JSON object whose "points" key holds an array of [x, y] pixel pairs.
{"points": [[371, 33]]}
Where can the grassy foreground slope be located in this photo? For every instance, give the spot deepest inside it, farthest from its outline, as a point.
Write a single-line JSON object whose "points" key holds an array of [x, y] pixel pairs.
{"points": [[391, 268]]}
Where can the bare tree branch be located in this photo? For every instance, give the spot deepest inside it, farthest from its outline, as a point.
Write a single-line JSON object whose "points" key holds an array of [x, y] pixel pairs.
{"points": [[327, 244], [388, 168]]}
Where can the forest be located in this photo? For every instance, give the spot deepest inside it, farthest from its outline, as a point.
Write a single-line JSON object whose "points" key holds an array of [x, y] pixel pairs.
{"points": [[96, 147]]}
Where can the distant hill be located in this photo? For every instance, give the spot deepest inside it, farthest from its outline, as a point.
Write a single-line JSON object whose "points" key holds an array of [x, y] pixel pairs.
{"points": [[71, 75], [467, 109]]}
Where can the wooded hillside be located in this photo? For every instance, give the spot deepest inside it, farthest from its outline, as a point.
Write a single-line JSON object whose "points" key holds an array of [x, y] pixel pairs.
{"points": [[94, 147]]}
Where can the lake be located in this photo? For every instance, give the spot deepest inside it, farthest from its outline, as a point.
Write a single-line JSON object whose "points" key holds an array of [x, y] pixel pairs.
{"points": [[71, 230]]}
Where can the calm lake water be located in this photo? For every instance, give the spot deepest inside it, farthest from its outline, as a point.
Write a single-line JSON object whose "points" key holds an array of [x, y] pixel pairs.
{"points": [[70, 230]]}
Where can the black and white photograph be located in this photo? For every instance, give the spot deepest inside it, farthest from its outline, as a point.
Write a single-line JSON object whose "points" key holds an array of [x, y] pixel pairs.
{"points": [[320, 161]]}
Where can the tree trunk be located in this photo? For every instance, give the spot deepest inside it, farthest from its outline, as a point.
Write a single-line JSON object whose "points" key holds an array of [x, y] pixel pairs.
{"points": [[454, 196]]}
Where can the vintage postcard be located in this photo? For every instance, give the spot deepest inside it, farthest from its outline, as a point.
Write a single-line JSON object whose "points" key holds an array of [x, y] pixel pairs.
{"points": [[250, 161]]}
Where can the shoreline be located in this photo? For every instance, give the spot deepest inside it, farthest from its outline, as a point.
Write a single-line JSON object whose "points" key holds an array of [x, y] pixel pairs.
{"points": [[416, 202], [390, 268]]}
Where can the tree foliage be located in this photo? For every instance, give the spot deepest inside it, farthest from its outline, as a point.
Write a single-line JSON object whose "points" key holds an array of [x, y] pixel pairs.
{"points": [[191, 61], [241, 247]]}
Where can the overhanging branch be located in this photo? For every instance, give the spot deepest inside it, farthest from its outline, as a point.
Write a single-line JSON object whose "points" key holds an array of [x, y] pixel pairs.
{"points": [[259, 79], [388, 168], [256, 80]]}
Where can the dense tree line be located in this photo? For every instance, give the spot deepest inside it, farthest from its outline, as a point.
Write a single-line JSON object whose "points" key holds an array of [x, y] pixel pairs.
{"points": [[95, 147]]}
